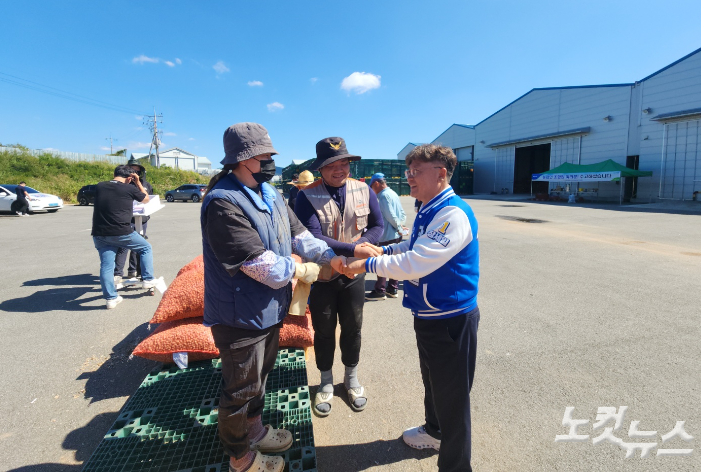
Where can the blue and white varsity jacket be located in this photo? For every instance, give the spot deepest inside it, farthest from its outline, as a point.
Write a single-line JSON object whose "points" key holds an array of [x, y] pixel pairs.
{"points": [[439, 263]]}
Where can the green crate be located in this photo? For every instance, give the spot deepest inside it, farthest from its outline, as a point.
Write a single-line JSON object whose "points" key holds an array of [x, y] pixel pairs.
{"points": [[285, 377], [272, 399], [289, 356], [170, 423]]}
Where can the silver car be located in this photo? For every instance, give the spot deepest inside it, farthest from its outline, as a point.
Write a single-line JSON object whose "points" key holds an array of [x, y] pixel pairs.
{"points": [[193, 192]]}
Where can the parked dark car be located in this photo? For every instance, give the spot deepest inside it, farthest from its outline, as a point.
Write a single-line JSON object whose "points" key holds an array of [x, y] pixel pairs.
{"points": [[193, 192], [86, 195]]}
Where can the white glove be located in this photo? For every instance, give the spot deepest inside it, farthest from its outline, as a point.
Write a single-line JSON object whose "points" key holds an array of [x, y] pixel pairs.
{"points": [[307, 272]]}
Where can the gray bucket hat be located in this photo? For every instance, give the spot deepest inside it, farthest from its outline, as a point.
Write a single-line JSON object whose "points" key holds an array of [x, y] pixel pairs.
{"points": [[243, 141]]}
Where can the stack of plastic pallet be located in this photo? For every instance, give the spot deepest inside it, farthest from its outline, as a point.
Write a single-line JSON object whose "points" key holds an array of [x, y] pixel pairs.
{"points": [[170, 423]]}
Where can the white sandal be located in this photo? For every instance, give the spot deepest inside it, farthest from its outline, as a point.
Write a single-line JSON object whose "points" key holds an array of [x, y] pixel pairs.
{"points": [[357, 393], [322, 398]]}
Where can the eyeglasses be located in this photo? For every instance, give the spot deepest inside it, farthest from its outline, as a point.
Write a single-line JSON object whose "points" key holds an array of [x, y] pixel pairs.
{"points": [[413, 172]]}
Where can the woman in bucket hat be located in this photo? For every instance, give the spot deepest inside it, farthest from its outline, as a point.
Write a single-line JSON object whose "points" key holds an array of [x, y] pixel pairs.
{"points": [[345, 214], [248, 235]]}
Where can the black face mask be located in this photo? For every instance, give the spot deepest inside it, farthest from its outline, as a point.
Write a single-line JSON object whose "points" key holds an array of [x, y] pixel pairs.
{"points": [[267, 170]]}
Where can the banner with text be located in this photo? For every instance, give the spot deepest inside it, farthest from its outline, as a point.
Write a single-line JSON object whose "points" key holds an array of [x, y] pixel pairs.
{"points": [[578, 176]]}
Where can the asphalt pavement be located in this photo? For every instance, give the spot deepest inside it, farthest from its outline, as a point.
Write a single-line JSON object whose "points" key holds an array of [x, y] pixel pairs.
{"points": [[581, 305]]}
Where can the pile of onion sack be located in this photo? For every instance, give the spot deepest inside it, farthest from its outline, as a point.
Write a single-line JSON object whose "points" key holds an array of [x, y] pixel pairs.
{"points": [[181, 330]]}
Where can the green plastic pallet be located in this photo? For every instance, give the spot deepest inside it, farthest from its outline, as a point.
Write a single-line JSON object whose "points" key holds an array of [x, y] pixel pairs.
{"points": [[170, 423]]}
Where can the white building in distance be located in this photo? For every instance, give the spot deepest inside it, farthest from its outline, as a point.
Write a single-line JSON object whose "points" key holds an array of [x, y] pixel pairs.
{"points": [[652, 124], [179, 159]]}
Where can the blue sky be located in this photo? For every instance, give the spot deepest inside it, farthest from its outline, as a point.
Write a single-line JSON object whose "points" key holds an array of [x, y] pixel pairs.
{"points": [[378, 74]]}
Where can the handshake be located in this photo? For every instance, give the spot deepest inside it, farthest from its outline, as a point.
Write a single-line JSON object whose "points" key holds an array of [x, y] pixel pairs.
{"points": [[308, 272], [355, 265]]}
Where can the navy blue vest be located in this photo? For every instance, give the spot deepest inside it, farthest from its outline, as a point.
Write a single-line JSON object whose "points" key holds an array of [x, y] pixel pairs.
{"points": [[240, 301]]}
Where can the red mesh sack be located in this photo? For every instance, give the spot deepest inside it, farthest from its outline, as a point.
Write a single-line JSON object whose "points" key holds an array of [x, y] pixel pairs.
{"points": [[297, 331], [187, 335], [197, 263], [184, 298]]}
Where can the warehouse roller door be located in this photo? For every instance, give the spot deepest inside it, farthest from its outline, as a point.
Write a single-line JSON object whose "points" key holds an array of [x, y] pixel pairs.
{"points": [[680, 164]]}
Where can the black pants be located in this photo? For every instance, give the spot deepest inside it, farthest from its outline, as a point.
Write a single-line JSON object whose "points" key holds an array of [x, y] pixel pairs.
{"points": [[381, 283], [133, 261], [447, 358], [22, 206], [247, 357], [341, 299]]}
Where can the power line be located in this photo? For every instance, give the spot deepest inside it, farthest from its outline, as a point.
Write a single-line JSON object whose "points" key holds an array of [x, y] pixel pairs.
{"points": [[28, 84]]}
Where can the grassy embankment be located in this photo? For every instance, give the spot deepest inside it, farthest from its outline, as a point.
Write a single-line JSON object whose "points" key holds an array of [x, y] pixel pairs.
{"points": [[64, 178]]}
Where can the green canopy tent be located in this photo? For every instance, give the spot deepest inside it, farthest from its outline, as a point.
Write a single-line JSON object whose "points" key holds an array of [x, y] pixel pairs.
{"points": [[608, 170]]}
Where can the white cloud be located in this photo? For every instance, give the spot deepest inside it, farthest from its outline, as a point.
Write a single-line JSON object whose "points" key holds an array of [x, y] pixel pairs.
{"points": [[170, 64], [143, 59], [220, 67], [138, 117], [169, 133], [360, 82], [274, 107], [139, 145], [314, 80], [191, 139], [178, 61], [255, 83], [105, 148]]}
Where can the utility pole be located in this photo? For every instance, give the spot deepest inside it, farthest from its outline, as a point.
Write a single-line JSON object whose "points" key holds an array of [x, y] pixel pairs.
{"points": [[152, 123], [110, 139]]}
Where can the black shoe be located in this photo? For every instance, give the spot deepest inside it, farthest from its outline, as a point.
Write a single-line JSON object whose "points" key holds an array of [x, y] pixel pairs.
{"points": [[375, 296], [131, 274], [391, 292]]}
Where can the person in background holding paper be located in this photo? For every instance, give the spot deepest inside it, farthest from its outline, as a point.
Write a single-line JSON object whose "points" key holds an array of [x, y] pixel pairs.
{"points": [[248, 236], [440, 266], [122, 253], [111, 229], [394, 219]]}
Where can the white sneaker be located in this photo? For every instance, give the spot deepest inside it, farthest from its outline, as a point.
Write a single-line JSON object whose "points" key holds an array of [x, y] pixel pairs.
{"points": [[132, 282], [416, 437], [112, 303], [149, 284], [117, 282], [19, 214]]}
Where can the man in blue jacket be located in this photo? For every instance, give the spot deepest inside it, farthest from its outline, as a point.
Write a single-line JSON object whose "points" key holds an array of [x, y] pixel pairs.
{"points": [[440, 266]]}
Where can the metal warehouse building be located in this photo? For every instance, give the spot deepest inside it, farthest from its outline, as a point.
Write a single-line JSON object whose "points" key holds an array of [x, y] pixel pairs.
{"points": [[651, 125]]}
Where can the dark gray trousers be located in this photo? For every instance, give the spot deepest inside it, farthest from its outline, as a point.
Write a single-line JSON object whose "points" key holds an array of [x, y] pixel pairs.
{"points": [[340, 300], [247, 357], [447, 358]]}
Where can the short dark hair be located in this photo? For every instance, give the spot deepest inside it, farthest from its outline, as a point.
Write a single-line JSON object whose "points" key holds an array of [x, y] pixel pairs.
{"points": [[433, 153], [123, 170], [23, 182]]}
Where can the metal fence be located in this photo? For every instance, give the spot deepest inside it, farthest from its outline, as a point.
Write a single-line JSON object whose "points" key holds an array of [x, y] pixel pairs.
{"points": [[71, 156]]}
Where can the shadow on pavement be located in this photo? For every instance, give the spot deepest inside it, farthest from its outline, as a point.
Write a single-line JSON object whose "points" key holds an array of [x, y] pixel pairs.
{"points": [[119, 376], [48, 300], [73, 280], [367, 455], [83, 441]]}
